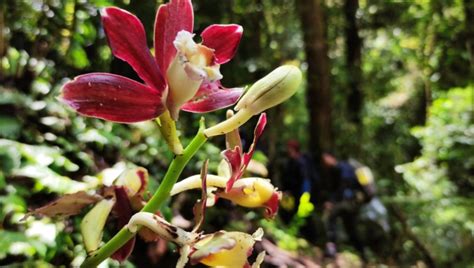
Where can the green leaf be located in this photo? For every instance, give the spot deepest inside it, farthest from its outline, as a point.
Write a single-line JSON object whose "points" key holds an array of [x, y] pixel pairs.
{"points": [[10, 157], [15, 244], [77, 57], [10, 127]]}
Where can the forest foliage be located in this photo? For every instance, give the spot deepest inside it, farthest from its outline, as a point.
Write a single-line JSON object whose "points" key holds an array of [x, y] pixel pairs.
{"points": [[415, 127]]}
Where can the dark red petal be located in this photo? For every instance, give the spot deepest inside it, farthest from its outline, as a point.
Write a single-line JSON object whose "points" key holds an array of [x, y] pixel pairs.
{"points": [[224, 39], [271, 206], [127, 39], [262, 121], [112, 97], [238, 162], [171, 18], [124, 212], [212, 96], [234, 159], [143, 175]]}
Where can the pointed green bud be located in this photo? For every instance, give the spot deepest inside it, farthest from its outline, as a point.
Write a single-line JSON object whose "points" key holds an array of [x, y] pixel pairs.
{"points": [[271, 90], [93, 223]]}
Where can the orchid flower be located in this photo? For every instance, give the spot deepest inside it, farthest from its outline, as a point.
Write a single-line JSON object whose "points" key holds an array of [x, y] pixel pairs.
{"points": [[219, 249], [123, 198], [229, 184], [225, 249], [182, 75], [249, 192], [234, 155]]}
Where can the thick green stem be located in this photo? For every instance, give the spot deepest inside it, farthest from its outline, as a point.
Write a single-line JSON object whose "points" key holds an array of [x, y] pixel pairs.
{"points": [[163, 192]]}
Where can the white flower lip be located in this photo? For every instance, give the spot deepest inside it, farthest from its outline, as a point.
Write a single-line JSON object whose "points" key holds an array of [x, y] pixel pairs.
{"points": [[198, 60], [193, 64]]}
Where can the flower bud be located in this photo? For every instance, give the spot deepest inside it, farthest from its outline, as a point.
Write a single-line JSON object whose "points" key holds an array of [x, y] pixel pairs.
{"points": [[93, 224], [273, 89]]}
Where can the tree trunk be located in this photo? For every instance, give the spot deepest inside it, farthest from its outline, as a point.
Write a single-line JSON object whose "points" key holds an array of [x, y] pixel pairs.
{"points": [[353, 61], [275, 167], [469, 22], [2, 39], [2, 35], [318, 84]]}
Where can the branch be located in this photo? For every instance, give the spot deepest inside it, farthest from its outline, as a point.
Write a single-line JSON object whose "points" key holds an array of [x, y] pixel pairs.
{"points": [[412, 236]]}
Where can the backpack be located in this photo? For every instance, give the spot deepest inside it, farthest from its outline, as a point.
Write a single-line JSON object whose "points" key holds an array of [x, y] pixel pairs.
{"points": [[365, 178]]}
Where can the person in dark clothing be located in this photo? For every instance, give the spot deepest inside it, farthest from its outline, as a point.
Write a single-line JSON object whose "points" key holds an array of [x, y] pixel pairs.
{"points": [[301, 180], [344, 202], [300, 176]]}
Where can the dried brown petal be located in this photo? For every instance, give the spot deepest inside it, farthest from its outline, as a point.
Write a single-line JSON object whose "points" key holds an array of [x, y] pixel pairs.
{"points": [[65, 206]]}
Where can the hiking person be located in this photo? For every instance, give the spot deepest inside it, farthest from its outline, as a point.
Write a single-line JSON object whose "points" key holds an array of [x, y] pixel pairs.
{"points": [[346, 196]]}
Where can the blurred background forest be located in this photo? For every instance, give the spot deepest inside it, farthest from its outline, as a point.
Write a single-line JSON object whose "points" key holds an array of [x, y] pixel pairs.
{"points": [[389, 83]]}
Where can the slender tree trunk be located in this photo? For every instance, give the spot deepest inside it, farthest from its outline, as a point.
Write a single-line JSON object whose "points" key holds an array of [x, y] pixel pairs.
{"points": [[318, 84], [426, 52], [353, 61], [469, 24], [275, 115], [2, 35], [2, 38]]}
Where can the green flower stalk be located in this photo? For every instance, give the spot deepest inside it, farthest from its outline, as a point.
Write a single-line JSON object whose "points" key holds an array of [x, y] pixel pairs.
{"points": [[271, 90]]}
